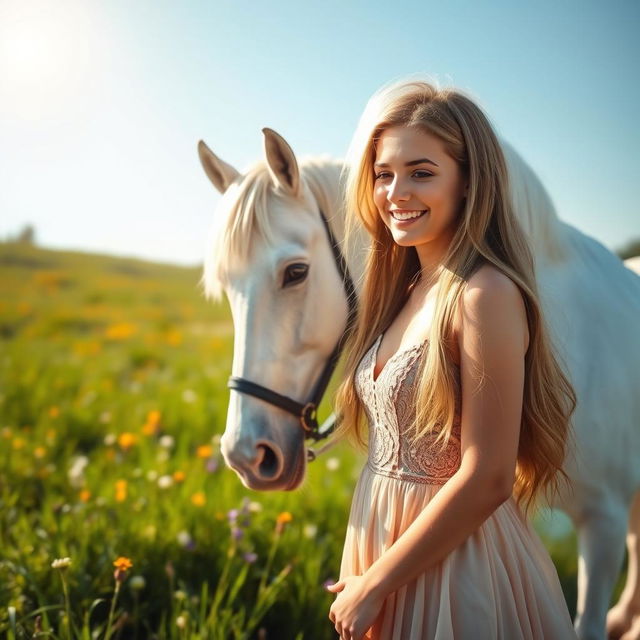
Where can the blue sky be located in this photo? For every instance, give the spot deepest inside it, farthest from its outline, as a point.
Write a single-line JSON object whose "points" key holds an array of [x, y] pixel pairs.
{"points": [[102, 103]]}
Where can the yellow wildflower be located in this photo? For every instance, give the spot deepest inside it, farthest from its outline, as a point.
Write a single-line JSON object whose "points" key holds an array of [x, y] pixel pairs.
{"points": [[149, 428], [54, 412], [85, 495], [120, 331], [284, 517], [179, 476], [204, 451], [121, 490], [173, 337], [151, 425], [40, 452], [199, 499], [122, 563], [126, 440]]}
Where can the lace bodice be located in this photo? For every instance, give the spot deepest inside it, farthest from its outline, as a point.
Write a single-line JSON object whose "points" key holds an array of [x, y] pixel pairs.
{"points": [[389, 403]]}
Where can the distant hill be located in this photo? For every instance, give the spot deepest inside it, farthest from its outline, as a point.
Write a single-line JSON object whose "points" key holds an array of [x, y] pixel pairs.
{"points": [[32, 256], [85, 291]]}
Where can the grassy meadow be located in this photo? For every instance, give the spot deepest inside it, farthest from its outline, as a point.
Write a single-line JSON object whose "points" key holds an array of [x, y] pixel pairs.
{"points": [[112, 401]]}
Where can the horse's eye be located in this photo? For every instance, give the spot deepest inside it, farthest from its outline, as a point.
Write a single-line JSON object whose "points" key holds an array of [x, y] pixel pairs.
{"points": [[295, 273]]}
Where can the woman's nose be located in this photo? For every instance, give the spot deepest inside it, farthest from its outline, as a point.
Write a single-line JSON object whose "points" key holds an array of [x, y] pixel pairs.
{"points": [[398, 191]]}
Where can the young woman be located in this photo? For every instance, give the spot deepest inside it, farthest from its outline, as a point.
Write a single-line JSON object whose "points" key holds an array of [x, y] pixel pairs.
{"points": [[450, 365]]}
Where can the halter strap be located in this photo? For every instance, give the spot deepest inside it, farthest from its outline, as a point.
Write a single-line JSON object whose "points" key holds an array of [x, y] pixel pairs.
{"points": [[307, 412]]}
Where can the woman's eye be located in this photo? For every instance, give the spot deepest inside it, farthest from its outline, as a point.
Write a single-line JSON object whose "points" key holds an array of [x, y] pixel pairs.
{"points": [[422, 174], [382, 175], [295, 273]]}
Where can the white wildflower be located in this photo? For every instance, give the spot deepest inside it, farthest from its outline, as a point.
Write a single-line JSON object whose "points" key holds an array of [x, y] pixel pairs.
{"points": [[61, 563], [164, 482], [137, 583], [152, 475], [333, 464], [189, 396], [76, 471], [150, 532], [184, 538]]}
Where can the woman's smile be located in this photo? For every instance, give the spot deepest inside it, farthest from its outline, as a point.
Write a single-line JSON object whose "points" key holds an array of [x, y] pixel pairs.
{"points": [[405, 215]]}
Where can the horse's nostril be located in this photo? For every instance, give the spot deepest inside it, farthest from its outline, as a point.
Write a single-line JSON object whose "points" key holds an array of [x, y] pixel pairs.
{"points": [[269, 464]]}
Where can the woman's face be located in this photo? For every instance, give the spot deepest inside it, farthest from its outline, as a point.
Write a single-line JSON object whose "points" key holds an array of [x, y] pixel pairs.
{"points": [[418, 188]]}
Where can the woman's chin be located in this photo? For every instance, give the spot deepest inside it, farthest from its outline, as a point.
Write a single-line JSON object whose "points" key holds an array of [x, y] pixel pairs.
{"points": [[406, 239]]}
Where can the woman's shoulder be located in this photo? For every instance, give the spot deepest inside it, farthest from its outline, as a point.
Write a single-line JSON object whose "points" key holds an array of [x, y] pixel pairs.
{"points": [[492, 298], [487, 283]]}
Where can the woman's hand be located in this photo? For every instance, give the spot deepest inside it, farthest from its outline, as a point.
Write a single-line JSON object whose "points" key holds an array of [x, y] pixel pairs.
{"points": [[355, 609]]}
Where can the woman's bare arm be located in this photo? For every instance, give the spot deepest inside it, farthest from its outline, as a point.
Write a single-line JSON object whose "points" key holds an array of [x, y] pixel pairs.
{"points": [[493, 341]]}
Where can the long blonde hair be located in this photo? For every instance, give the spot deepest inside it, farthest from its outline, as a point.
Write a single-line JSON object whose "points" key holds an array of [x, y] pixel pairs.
{"points": [[488, 232]]}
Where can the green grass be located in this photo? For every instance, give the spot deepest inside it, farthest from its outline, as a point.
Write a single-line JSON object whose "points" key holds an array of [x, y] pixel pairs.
{"points": [[112, 399]]}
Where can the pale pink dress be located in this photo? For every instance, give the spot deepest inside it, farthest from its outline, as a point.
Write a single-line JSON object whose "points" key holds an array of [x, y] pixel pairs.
{"points": [[499, 584]]}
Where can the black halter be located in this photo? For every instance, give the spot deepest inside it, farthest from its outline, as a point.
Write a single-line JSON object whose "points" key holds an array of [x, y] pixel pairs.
{"points": [[307, 412]]}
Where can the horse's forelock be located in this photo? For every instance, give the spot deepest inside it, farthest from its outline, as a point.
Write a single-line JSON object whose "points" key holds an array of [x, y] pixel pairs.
{"points": [[239, 218]]}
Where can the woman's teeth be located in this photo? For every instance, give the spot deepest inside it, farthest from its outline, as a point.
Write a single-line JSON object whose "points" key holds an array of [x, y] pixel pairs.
{"points": [[407, 215]]}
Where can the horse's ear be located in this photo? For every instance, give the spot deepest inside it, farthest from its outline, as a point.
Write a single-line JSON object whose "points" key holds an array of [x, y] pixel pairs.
{"points": [[281, 161], [219, 172]]}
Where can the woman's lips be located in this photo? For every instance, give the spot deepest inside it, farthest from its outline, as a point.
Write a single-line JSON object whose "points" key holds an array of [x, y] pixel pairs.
{"points": [[406, 215]]}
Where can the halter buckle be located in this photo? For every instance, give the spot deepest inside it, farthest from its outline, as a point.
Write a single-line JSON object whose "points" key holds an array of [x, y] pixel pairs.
{"points": [[308, 417]]}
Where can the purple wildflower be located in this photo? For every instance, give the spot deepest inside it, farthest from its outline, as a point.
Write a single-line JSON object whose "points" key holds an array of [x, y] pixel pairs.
{"points": [[328, 582]]}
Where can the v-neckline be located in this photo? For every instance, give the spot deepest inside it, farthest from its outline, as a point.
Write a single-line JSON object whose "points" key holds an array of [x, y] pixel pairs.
{"points": [[376, 347]]}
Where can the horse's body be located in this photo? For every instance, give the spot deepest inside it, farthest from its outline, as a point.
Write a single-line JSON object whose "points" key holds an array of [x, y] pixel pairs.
{"points": [[284, 330]]}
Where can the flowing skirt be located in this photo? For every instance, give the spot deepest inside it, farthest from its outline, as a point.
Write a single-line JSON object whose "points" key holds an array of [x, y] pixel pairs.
{"points": [[499, 584]]}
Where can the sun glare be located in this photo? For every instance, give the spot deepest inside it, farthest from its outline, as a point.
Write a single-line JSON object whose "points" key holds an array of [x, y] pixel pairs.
{"points": [[44, 54]]}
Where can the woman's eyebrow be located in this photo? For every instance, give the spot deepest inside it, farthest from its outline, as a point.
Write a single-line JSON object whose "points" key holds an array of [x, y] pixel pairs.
{"points": [[411, 163]]}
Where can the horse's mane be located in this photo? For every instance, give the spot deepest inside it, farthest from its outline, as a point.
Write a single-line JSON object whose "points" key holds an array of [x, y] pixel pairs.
{"points": [[242, 218], [534, 209]]}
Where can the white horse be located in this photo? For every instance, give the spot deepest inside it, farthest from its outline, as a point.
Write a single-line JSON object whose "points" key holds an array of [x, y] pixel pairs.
{"points": [[270, 254]]}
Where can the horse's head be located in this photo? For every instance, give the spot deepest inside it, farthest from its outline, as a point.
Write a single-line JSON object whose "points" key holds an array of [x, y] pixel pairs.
{"points": [[269, 252]]}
